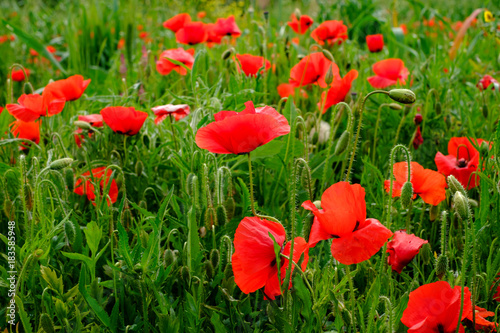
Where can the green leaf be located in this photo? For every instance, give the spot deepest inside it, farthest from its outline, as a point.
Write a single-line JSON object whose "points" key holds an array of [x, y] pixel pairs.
{"points": [[193, 244], [92, 302], [23, 315], [123, 245], [52, 280], [93, 234]]}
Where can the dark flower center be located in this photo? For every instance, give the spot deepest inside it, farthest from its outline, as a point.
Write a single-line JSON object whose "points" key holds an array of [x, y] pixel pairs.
{"points": [[462, 163]]}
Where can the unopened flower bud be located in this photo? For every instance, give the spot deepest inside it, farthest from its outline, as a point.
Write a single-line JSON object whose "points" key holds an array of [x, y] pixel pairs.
{"points": [[441, 266], [485, 111], [144, 237], [418, 119], [328, 55], [61, 163], [317, 203], [433, 213], [329, 76], [395, 106], [210, 218], [342, 143], [485, 148], [439, 108], [69, 176], [455, 185], [214, 257], [185, 275], [139, 167], [221, 215], [461, 205], [297, 13], [404, 96], [168, 257], [28, 196], [82, 124], [406, 194], [426, 253], [209, 269], [226, 54]]}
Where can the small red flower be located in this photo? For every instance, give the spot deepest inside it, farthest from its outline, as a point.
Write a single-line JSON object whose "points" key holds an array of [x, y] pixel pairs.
{"points": [[95, 120], [310, 70], [486, 81], [18, 75], [343, 218], [254, 259], [404, 28], [251, 64], [402, 249], [339, 88], [227, 27], [375, 42], [143, 35], [481, 323], [177, 111], [300, 26], [332, 32], [70, 89], [241, 132], [33, 106], [191, 33], [121, 44], [164, 66], [435, 307], [418, 139], [1, 109], [86, 187], [388, 72], [417, 120], [124, 120], [177, 22], [428, 184], [26, 130], [201, 15], [462, 161]]}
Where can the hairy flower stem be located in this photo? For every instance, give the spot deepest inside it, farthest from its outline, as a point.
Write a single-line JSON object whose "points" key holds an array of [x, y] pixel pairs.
{"points": [[173, 132], [358, 131], [399, 128]]}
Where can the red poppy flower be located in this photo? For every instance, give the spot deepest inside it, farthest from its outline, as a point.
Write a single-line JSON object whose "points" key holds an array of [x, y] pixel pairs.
{"points": [[254, 259], [332, 32], [121, 44], [164, 66], [191, 33], [428, 184], [1, 109], [288, 89], [143, 35], [343, 218], [18, 75], [177, 111], [34, 106], [177, 22], [375, 42], [212, 36], [310, 70], [124, 120], [241, 132], [300, 26], [404, 28], [227, 27], [338, 89], [402, 249], [201, 14], [95, 120], [462, 161], [70, 89], [435, 307], [481, 323], [51, 49], [26, 130], [486, 81], [418, 139], [388, 72], [86, 187], [251, 64]]}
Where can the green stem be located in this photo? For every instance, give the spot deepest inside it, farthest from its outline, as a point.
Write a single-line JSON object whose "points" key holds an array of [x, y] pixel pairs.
{"points": [[399, 128], [353, 297], [376, 131], [173, 133], [391, 180]]}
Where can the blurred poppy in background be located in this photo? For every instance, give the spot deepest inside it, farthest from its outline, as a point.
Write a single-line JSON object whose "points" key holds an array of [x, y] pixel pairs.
{"points": [[311, 69], [375, 43], [177, 22], [165, 66], [177, 111], [301, 25], [250, 64], [331, 32], [388, 72]]}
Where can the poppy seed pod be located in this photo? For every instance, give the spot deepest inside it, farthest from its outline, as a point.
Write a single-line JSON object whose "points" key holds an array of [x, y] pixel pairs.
{"points": [[404, 96], [395, 106], [61, 163], [441, 266], [342, 143], [455, 185], [82, 124], [461, 205], [406, 194]]}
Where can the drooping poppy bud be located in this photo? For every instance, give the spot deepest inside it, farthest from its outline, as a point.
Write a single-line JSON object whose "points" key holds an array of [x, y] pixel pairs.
{"points": [[461, 205], [404, 96], [406, 194], [417, 120]]}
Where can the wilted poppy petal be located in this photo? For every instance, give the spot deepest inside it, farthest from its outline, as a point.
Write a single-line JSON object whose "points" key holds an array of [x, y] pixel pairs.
{"points": [[402, 249]]}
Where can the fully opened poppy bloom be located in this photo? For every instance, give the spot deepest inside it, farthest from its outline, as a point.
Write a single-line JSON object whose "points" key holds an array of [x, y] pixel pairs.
{"points": [[251, 64], [435, 307], [428, 184], [462, 161], [486, 81], [227, 27], [254, 259], [177, 22], [191, 33], [388, 72], [30, 107], [241, 132], [481, 323], [332, 32], [402, 249], [301, 25], [85, 185], [18, 75], [26, 130], [339, 88], [177, 111], [124, 120], [70, 89], [375, 42], [311, 69], [165, 66], [343, 218]]}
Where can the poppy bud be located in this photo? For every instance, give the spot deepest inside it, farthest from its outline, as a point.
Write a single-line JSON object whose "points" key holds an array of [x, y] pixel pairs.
{"points": [[297, 13], [485, 148], [168, 257], [139, 167], [439, 108], [202, 232], [185, 275], [210, 218], [38, 253], [461, 205], [46, 323], [455, 185], [61, 163], [226, 54], [230, 206], [404, 96], [328, 55], [28, 196], [228, 272], [433, 213], [69, 176], [426, 253], [70, 231], [82, 124], [221, 215], [209, 269], [144, 236], [418, 119], [406, 194], [342, 143], [329, 76], [441, 266], [395, 106], [214, 257], [485, 111]]}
